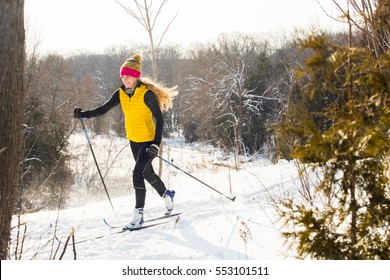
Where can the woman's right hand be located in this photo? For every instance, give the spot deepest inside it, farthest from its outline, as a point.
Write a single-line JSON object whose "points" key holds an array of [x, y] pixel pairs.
{"points": [[78, 112]]}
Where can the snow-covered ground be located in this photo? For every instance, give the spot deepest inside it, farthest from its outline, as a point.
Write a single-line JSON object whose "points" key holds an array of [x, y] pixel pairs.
{"points": [[209, 237], [210, 227]]}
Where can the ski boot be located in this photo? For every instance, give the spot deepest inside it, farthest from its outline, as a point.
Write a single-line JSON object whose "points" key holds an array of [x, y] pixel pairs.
{"points": [[137, 221], [168, 199]]}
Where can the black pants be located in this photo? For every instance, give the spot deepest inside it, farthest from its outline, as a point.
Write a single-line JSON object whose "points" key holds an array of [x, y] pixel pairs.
{"points": [[143, 170]]}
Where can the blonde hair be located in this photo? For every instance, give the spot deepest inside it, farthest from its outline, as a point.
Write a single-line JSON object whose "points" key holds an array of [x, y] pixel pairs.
{"points": [[163, 94]]}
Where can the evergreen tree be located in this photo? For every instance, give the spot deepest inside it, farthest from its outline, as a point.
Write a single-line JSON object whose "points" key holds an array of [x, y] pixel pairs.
{"points": [[339, 119]]}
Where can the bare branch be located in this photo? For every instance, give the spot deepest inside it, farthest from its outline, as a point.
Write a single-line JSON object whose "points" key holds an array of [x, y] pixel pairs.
{"points": [[158, 12], [140, 19], [166, 29]]}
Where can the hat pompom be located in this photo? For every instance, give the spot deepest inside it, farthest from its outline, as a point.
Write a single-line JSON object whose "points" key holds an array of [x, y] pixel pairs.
{"points": [[136, 57], [132, 67]]}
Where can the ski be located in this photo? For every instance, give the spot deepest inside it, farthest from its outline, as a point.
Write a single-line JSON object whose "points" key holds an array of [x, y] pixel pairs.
{"points": [[142, 227], [123, 230], [166, 215]]}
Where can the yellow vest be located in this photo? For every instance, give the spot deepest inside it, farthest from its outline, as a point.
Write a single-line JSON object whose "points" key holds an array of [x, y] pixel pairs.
{"points": [[139, 123]]}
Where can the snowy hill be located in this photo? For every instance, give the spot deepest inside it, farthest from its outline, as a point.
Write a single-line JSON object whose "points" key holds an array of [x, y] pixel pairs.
{"points": [[211, 226]]}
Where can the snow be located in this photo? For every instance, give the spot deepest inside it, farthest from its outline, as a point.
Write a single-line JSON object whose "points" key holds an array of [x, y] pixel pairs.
{"points": [[211, 227], [212, 233]]}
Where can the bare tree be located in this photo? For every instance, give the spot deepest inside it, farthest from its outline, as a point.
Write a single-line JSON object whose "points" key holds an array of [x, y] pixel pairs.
{"points": [[231, 87], [143, 13], [11, 110], [370, 18]]}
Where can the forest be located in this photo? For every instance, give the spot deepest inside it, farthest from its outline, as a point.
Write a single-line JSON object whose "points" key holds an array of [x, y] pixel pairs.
{"points": [[231, 93]]}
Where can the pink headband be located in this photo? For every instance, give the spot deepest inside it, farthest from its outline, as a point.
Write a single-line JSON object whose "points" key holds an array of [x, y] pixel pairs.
{"points": [[130, 72]]}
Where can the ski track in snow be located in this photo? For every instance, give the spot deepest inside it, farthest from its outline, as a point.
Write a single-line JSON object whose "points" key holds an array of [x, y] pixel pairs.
{"points": [[211, 226]]}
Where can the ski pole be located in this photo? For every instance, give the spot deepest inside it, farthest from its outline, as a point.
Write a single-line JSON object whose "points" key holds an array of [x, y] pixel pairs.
{"points": [[171, 164], [94, 157]]}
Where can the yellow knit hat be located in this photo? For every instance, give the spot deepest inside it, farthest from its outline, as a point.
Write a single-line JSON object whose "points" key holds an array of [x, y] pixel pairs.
{"points": [[132, 67]]}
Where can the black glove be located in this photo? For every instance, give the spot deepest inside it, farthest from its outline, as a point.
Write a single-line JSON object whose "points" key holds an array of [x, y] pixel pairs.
{"points": [[78, 112], [152, 151]]}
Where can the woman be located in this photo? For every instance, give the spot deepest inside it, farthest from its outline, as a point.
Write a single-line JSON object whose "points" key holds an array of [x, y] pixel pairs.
{"points": [[142, 102]]}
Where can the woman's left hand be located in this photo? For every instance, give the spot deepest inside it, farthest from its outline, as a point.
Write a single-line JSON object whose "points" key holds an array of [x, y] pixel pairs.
{"points": [[152, 150]]}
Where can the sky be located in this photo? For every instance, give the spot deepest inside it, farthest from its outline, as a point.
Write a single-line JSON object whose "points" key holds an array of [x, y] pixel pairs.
{"points": [[66, 26]]}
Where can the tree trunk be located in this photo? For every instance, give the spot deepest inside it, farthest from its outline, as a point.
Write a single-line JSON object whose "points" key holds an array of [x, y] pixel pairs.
{"points": [[11, 110]]}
